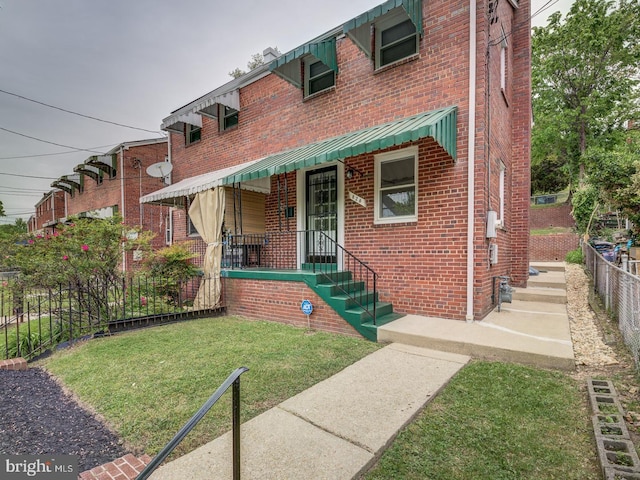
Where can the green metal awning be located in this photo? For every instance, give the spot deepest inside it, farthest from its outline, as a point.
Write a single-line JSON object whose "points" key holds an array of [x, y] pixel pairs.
{"points": [[287, 66], [359, 28], [439, 124]]}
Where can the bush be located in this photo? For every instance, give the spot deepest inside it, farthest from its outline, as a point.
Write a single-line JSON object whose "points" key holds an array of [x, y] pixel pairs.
{"points": [[574, 256]]}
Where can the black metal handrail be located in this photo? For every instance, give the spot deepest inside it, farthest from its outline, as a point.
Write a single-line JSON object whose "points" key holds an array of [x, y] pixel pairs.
{"points": [[233, 379], [312, 250], [365, 298]]}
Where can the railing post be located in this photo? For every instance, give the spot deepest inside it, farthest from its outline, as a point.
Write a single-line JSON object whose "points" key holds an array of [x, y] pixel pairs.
{"points": [[236, 428]]}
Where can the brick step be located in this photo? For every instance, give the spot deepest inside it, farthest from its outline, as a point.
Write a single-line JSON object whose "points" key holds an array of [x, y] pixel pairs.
{"points": [[123, 468]]}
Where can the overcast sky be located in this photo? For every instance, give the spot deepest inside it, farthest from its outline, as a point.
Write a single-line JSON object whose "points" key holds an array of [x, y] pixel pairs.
{"points": [[131, 62]]}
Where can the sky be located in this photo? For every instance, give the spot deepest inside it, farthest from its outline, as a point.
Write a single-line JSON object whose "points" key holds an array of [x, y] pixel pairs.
{"points": [[130, 62]]}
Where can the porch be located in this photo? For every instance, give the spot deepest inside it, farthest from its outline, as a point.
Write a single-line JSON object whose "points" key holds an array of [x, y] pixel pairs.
{"points": [[270, 274]]}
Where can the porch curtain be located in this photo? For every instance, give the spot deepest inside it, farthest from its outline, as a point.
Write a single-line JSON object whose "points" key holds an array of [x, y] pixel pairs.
{"points": [[207, 214]]}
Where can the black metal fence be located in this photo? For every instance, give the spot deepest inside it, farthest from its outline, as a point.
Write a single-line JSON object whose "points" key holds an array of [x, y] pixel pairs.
{"points": [[36, 320], [311, 250]]}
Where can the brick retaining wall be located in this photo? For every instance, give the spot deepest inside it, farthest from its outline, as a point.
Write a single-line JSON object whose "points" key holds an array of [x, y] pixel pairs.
{"points": [[553, 247]]}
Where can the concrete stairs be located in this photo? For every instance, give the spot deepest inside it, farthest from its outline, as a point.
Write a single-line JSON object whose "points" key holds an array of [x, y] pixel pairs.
{"points": [[533, 329], [332, 289]]}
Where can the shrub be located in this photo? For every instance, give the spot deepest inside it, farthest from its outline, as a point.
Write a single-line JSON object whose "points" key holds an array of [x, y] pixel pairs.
{"points": [[574, 256]]}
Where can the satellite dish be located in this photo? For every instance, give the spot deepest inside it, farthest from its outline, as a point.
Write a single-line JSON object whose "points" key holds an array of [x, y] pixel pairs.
{"points": [[159, 170]]}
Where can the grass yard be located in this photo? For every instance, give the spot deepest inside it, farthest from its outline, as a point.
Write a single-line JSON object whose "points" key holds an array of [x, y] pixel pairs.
{"points": [[497, 421], [148, 383]]}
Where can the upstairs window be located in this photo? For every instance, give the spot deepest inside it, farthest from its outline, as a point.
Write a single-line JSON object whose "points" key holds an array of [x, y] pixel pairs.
{"points": [[228, 117], [395, 42], [318, 77], [192, 134]]}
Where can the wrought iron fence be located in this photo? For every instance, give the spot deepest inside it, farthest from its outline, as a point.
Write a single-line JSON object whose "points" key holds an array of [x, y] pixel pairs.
{"points": [[36, 320], [619, 290]]}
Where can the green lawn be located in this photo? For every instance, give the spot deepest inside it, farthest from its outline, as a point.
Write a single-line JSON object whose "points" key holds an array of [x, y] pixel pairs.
{"points": [[493, 421], [497, 421], [148, 383]]}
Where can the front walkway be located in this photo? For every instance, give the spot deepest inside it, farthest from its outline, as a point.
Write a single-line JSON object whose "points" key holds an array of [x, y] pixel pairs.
{"points": [[335, 429]]}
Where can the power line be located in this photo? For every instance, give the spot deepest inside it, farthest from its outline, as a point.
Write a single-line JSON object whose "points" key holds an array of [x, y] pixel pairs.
{"points": [[52, 143], [28, 176], [52, 154], [78, 114]]}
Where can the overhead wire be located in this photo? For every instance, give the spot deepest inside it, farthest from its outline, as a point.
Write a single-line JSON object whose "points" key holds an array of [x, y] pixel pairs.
{"points": [[51, 143], [22, 97]]}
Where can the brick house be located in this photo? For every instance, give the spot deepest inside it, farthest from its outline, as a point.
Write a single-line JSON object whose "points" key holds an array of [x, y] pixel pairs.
{"points": [[397, 143], [110, 184], [49, 209]]}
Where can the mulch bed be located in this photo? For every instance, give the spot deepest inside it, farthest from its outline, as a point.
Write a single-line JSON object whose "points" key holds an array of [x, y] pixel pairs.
{"points": [[38, 418]]}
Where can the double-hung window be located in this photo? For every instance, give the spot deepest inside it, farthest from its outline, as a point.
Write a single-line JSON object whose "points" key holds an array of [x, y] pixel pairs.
{"points": [[228, 117], [192, 134], [318, 77], [395, 40], [396, 185]]}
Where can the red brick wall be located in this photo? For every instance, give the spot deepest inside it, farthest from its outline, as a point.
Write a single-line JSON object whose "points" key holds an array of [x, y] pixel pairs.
{"points": [[552, 216], [131, 177], [552, 248], [422, 264], [256, 299]]}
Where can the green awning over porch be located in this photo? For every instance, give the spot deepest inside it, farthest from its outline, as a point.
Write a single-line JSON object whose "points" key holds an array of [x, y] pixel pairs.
{"points": [[439, 124], [412, 7]]}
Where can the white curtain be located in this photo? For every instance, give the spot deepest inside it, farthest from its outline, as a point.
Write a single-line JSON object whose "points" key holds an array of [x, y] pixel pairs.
{"points": [[207, 214]]}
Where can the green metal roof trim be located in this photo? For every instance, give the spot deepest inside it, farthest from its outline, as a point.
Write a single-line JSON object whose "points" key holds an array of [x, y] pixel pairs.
{"points": [[412, 7], [439, 124], [325, 51]]}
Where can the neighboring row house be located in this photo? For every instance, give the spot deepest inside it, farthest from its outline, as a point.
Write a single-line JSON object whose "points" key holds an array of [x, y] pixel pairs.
{"points": [[392, 152], [111, 184], [49, 210]]}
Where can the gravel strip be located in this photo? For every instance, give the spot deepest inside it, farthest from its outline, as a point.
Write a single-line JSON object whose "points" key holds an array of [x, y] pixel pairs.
{"points": [[588, 347], [38, 418]]}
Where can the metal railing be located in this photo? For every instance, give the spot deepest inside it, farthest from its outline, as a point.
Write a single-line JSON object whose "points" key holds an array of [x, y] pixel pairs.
{"points": [[308, 250], [619, 290], [35, 320], [233, 379]]}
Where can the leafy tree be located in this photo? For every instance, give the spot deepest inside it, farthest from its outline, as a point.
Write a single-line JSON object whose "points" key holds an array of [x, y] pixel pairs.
{"points": [[585, 76], [8, 233], [257, 59], [2, 214]]}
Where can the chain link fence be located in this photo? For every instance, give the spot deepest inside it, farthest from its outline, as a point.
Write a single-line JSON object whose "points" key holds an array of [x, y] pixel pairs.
{"points": [[619, 290]]}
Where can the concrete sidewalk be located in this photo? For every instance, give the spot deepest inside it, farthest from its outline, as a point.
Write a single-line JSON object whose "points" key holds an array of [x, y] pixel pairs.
{"points": [[335, 429]]}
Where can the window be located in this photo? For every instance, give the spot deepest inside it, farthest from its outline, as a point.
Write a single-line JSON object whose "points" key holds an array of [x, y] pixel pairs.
{"points": [[318, 77], [228, 117], [168, 231], [501, 212], [192, 134], [395, 40], [396, 186]]}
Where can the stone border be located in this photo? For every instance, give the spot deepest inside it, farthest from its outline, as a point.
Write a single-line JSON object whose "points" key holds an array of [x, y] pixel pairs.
{"points": [[13, 364], [616, 452]]}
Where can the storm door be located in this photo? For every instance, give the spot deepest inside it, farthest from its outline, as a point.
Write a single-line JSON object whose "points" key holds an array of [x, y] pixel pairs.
{"points": [[322, 215]]}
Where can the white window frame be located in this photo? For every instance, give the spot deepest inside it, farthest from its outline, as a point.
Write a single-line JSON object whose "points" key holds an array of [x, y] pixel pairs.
{"points": [[504, 45], [503, 169], [309, 61], [384, 24], [377, 202]]}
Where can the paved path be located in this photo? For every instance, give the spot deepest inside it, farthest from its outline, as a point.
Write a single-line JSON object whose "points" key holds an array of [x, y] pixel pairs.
{"points": [[335, 429]]}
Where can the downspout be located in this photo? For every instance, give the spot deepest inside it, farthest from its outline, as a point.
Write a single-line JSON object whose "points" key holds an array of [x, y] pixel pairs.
{"points": [[122, 209], [471, 161]]}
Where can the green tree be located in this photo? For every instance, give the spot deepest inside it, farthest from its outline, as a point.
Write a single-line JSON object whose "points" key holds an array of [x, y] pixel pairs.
{"points": [[585, 75], [257, 59], [2, 214]]}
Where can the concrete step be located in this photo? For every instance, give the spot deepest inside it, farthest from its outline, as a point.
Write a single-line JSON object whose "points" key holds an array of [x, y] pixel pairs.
{"points": [[540, 294], [548, 266], [551, 279]]}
